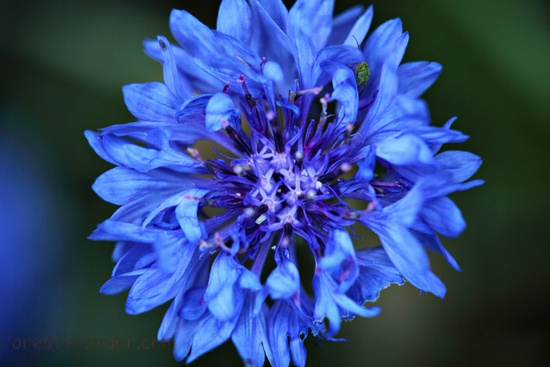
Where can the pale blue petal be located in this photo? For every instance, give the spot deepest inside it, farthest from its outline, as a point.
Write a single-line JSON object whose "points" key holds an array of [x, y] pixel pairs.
{"points": [[220, 112], [234, 19], [193, 306], [220, 295], [404, 150], [345, 92], [461, 165], [172, 77], [250, 337], [151, 101], [408, 256], [359, 30], [444, 217], [377, 272], [343, 23], [186, 213], [312, 20], [339, 260], [209, 334], [276, 10], [416, 77], [284, 280], [122, 185]]}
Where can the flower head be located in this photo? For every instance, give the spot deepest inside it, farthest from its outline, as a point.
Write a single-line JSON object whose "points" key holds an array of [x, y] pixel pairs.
{"points": [[319, 136]]}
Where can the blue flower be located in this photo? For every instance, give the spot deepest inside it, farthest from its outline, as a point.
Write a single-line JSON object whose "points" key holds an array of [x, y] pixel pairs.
{"points": [[320, 136]]}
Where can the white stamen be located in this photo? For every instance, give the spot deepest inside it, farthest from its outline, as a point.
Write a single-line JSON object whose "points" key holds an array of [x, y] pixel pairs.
{"points": [[260, 219]]}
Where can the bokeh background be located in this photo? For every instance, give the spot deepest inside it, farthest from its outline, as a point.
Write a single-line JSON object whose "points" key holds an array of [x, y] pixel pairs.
{"points": [[62, 66]]}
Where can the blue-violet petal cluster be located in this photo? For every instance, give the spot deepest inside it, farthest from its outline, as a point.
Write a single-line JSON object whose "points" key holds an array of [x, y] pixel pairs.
{"points": [[275, 138]]}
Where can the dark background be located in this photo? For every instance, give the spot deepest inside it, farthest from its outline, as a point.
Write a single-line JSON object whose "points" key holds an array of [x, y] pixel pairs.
{"points": [[62, 67]]}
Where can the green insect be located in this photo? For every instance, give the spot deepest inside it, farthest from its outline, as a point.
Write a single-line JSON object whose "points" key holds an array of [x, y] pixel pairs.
{"points": [[362, 74]]}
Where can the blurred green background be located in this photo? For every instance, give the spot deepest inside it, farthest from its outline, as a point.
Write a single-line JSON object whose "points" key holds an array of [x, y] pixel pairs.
{"points": [[62, 67]]}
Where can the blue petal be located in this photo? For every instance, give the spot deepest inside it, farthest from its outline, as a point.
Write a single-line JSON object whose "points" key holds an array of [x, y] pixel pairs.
{"points": [[151, 101], [269, 38], [170, 253], [250, 336], [380, 43], [391, 225], [120, 283], [157, 285], [408, 256], [329, 302], [343, 23], [332, 58], [304, 56], [96, 142], [186, 66], [193, 306], [388, 82], [404, 150], [441, 184], [339, 260], [172, 77], [325, 306], [359, 30], [285, 330], [170, 322], [377, 272], [193, 110], [366, 166], [312, 20], [416, 77], [461, 165], [111, 230], [208, 334], [274, 72], [277, 11], [186, 213], [173, 320], [309, 25], [298, 352], [220, 112], [435, 136], [150, 290], [162, 206], [197, 38], [143, 159], [122, 185], [284, 280], [430, 240], [277, 331], [140, 256], [404, 212], [345, 92], [220, 296], [234, 19], [185, 333], [249, 280], [444, 217]]}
